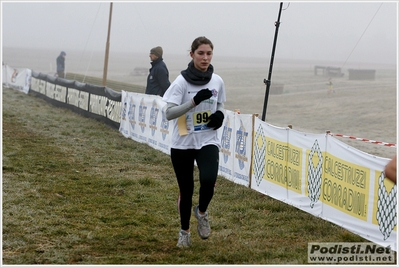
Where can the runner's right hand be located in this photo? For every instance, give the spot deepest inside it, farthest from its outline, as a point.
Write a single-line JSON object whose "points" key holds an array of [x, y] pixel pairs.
{"points": [[202, 95]]}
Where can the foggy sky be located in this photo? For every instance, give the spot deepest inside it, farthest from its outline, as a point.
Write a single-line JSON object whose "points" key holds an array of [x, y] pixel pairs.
{"points": [[339, 31]]}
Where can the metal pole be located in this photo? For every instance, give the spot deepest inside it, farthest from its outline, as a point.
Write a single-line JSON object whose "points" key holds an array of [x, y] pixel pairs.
{"points": [[107, 48], [267, 82]]}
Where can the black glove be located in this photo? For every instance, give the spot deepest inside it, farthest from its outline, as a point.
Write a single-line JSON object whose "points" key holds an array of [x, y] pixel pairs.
{"points": [[202, 95], [216, 120]]}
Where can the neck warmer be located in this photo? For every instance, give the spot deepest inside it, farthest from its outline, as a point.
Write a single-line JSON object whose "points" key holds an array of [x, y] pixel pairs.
{"points": [[196, 77]]}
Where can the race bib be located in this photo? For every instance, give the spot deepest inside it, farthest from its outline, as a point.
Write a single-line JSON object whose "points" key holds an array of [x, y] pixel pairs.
{"points": [[200, 120], [194, 122]]}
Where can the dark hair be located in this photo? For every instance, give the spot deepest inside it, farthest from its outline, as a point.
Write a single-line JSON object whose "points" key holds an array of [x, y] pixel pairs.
{"points": [[200, 41]]}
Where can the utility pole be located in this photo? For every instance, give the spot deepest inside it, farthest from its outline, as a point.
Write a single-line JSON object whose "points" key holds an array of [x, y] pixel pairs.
{"points": [[107, 48]]}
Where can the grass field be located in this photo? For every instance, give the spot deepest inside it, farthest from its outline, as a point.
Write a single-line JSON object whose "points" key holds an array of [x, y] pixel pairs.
{"points": [[75, 191]]}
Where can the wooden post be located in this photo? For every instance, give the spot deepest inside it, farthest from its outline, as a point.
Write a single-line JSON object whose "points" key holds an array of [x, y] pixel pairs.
{"points": [[107, 48], [255, 115]]}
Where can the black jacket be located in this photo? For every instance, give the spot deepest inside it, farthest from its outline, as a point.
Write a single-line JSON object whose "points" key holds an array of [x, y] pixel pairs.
{"points": [[158, 79], [60, 63]]}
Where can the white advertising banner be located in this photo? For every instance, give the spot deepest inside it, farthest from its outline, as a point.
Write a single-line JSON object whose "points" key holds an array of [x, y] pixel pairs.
{"points": [[17, 78], [143, 119], [305, 162], [50, 89], [269, 160], [42, 87], [226, 154], [243, 148], [356, 194], [236, 152], [35, 84], [325, 177]]}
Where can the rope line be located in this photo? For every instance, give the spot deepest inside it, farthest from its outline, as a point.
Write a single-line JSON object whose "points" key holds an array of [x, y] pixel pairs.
{"points": [[364, 140], [84, 49], [361, 36], [148, 32]]}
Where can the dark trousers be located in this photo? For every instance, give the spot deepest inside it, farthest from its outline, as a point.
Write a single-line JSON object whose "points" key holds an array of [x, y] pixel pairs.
{"points": [[61, 74], [207, 159]]}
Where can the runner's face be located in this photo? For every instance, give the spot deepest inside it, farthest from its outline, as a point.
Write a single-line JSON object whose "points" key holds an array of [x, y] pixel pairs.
{"points": [[202, 57]]}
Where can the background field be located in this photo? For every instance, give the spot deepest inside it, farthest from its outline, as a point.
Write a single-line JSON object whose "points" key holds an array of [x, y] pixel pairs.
{"points": [[75, 191]]}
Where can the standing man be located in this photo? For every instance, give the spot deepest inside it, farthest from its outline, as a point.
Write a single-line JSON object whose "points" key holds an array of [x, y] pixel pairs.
{"points": [[61, 65], [158, 79]]}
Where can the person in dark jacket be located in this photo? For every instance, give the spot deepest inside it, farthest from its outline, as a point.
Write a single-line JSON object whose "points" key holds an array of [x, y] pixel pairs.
{"points": [[61, 65], [158, 79]]}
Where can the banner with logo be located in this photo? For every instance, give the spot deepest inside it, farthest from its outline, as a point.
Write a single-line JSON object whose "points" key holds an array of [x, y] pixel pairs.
{"points": [[235, 154], [269, 160], [327, 178], [17, 78], [305, 164], [226, 155], [356, 194], [98, 102], [143, 119]]}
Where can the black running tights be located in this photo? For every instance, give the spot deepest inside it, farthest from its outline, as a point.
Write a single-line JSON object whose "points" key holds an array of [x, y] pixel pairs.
{"points": [[207, 159]]}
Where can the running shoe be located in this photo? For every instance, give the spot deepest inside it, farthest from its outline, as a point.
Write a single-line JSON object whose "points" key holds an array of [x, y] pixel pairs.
{"points": [[184, 239], [204, 229]]}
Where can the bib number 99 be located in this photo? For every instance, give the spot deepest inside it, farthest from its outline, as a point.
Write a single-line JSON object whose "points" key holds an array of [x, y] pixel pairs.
{"points": [[201, 117]]}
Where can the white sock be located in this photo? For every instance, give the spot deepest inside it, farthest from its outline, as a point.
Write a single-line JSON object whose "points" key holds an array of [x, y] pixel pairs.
{"points": [[201, 215]]}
